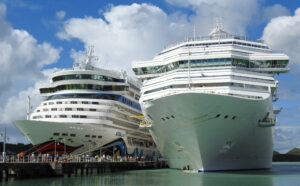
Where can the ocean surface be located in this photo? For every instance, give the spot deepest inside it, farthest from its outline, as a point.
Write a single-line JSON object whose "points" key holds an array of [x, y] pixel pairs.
{"points": [[281, 174]]}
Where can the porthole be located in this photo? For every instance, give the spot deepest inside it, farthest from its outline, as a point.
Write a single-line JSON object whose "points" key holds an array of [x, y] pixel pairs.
{"points": [[172, 116], [218, 115], [167, 118], [163, 119], [233, 117], [226, 116]]}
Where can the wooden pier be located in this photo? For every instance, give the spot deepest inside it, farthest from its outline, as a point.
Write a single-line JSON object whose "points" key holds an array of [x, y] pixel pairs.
{"points": [[52, 169]]}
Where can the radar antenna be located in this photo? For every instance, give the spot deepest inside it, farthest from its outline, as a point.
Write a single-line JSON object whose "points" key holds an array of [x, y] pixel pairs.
{"points": [[218, 30], [87, 62]]}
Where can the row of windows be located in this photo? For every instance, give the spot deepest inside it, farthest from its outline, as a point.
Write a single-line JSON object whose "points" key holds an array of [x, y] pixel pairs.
{"points": [[247, 86], [86, 76], [69, 116], [71, 109], [217, 43], [118, 98], [74, 102], [85, 86], [73, 135], [211, 62]]}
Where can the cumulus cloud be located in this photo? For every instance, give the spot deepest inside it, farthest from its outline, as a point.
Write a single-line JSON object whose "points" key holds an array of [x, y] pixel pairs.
{"points": [[287, 138], [21, 58], [283, 34], [138, 31], [61, 15], [15, 108], [236, 15], [276, 10], [126, 34]]}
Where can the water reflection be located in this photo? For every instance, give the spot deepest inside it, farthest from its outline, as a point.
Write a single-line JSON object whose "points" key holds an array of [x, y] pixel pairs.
{"points": [[280, 174]]}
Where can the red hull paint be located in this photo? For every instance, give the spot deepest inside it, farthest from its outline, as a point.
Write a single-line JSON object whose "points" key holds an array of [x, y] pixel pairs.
{"points": [[49, 147]]}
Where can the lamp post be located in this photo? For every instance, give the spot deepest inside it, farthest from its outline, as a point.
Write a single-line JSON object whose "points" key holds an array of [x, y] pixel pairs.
{"points": [[55, 149], [4, 142]]}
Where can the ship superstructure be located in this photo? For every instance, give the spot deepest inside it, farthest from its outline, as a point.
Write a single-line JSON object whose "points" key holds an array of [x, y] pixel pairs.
{"points": [[88, 109], [209, 100]]}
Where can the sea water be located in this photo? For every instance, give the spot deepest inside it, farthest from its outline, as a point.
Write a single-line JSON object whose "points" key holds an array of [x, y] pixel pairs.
{"points": [[281, 174]]}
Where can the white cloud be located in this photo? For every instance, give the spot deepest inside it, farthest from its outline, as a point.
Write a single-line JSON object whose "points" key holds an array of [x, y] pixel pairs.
{"points": [[128, 33], [138, 31], [283, 34], [275, 11], [61, 14], [236, 14], [21, 58], [287, 138]]}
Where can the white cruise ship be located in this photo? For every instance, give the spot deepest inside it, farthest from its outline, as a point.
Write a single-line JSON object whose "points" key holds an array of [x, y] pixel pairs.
{"points": [[209, 101], [86, 108]]}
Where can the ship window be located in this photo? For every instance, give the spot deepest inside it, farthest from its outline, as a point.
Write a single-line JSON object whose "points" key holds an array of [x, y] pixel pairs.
{"points": [[48, 116], [38, 111], [218, 115], [58, 102], [163, 119], [34, 117], [68, 109], [73, 102], [83, 116], [53, 109], [226, 116], [55, 134], [75, 116], [99, 136], [172, 116], [64, 134], [87, 136], [80, 109], [45, 103], [167, 117], [50, 103], [233, 117], [72, 135], [93, 136], [45, 110], [95, 103], [85, 102], [62, 116], [92, 109]]}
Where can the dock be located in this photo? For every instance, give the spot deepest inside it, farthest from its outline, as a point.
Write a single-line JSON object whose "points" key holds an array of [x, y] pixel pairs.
{"points": [[21, 170]]}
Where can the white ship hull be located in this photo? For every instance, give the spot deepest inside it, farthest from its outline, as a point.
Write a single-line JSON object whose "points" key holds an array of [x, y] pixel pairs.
{"points": [[41, 135], [188, 131]]}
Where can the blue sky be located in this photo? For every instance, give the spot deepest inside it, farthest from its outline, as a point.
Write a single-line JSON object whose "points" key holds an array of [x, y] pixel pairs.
{"points": [[38, 36]]}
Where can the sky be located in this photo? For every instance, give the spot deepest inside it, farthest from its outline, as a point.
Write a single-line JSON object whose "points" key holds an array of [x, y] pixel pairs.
{"points": [[38, 37]]}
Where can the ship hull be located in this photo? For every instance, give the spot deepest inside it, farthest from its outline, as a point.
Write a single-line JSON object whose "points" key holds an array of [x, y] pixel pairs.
{"points": [[75, 138], [209, 132]]}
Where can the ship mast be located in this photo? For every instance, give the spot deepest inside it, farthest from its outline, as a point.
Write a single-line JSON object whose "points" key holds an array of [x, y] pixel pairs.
{"points": [[28, 108]]}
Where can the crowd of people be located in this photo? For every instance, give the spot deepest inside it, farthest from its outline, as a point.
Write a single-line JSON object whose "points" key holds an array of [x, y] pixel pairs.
{"points": [[47, 157]]}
